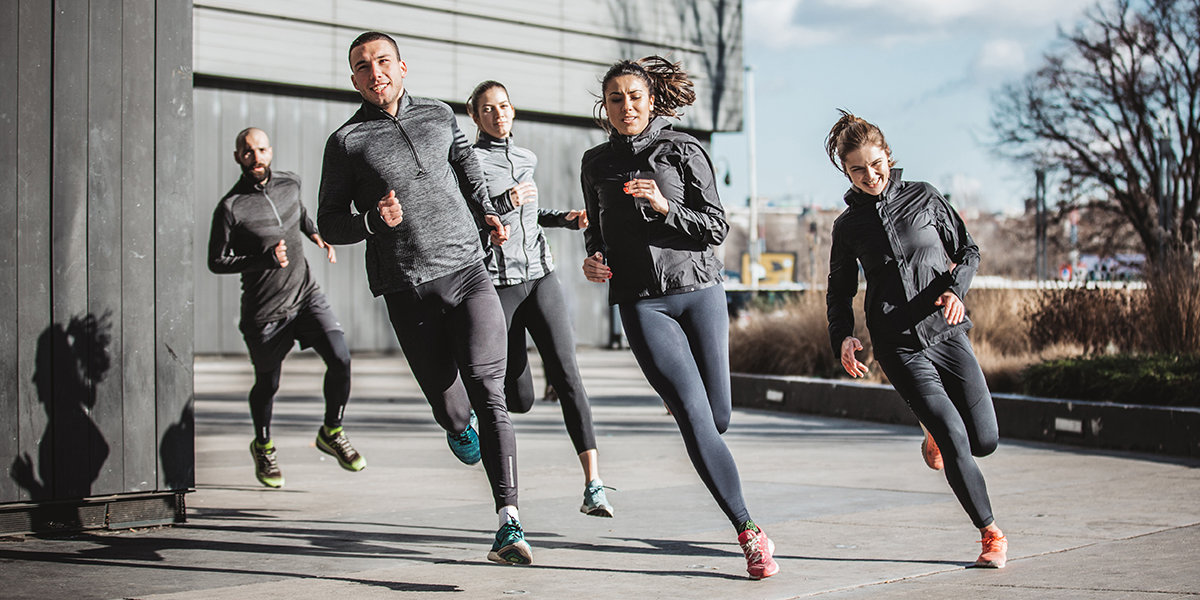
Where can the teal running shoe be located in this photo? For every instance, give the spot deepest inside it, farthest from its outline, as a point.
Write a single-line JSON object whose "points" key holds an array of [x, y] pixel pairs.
{"points": [[510, 547], [595, 502], [337, 445], [465, 445]]}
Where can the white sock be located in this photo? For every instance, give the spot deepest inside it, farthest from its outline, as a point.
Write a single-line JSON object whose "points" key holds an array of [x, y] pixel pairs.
{"points": [[508, 513]]}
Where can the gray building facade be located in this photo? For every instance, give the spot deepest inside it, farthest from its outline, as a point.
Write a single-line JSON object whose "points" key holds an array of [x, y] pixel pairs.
{"points": [[96, 280], [282, 66]]}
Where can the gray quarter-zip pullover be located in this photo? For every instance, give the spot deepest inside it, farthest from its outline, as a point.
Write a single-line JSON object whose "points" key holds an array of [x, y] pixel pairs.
{"points": [[423, 156]]}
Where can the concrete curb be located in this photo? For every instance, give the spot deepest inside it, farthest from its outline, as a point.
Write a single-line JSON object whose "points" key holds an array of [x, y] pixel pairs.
{"points": [[1160, 429]]}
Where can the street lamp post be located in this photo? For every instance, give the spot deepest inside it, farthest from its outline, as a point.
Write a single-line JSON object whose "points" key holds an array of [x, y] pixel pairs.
{"points": [[753, 200]]}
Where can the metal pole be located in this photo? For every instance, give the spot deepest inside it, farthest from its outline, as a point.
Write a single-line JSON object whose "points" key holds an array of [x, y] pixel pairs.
{"points": [[753, 200], [1166, 200], [1039, 200]]}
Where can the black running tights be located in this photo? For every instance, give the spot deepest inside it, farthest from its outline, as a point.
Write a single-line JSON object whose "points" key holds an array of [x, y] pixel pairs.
{"points": [[681, 343]]}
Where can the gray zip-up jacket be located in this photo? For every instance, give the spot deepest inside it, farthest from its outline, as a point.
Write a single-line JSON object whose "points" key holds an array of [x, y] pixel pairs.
{"points": [[246, 225], [912, 247], [423, 156], [526, 254]]}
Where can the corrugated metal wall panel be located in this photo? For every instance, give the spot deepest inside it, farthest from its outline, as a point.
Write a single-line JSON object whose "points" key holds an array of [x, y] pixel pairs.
{"points": [[442, 42]]}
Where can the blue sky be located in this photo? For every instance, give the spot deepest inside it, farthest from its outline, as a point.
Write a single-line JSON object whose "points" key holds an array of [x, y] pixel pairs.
{"points": [[925, 71]]}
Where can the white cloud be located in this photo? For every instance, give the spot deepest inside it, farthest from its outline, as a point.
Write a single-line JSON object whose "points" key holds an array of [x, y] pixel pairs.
{"points": [[773, 23], [799, 23], [1001, 56]]}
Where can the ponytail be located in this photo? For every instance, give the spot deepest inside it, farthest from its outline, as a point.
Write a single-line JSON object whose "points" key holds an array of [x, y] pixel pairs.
{"points": [[850, 133]]}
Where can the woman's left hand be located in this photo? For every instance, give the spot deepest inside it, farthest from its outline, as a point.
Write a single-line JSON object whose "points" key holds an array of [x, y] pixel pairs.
{"points": [[954, 309], [648, 189]]}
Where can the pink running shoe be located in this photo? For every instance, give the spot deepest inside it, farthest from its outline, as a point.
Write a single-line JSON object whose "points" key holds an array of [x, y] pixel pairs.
{"points": [[931, 453], [995, 550], [758, 549]]}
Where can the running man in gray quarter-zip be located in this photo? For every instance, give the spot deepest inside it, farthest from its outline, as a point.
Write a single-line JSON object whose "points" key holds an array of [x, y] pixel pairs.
{"points": [[257, 231], [402, 176]]}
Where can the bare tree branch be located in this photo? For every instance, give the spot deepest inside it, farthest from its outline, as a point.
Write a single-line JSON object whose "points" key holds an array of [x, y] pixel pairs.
{"points": [[1100, 107]]}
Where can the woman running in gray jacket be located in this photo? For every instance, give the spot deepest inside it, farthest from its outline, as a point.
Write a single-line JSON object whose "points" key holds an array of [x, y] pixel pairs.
{"points": [[523, 272]]}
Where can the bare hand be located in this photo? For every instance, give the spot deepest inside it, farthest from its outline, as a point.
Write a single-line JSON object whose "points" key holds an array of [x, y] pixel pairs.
{"points": [[648, 189], [281, 254], [328, 248], [499, 233], [522, 193], [955, 309], [595, 270], [389, 209], [850, 345], [580, 218]]}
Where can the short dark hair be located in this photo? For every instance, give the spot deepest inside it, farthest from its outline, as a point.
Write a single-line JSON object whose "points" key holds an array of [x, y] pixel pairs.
{"points": [[371, 36]]}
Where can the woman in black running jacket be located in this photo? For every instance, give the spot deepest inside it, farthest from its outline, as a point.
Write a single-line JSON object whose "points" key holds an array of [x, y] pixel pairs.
{"points": [[919, 261], [653, 215]]}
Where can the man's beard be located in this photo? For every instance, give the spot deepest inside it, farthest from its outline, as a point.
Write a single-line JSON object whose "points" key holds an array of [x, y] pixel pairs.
{"points": [[248, 173]]}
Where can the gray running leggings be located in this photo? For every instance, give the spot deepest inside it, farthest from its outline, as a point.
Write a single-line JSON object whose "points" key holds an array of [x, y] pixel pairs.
{"points": [[539, 307], [681, 342], [945, 388], [452, 332]]}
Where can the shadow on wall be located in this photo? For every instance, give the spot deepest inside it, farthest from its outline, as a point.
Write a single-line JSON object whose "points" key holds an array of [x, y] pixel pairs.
{"points": [[70, 361], [177, 444]]}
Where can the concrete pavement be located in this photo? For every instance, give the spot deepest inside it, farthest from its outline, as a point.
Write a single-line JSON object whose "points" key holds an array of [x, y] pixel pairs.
{"points": [[852, 508]]}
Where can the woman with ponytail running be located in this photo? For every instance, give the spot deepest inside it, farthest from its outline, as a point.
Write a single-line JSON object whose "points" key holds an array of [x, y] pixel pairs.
{"points": [[919, 261], [522, 270], [653, 217]]}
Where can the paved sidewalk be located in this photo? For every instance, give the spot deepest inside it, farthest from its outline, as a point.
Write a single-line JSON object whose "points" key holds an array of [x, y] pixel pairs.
{"points": [[852, 508]]}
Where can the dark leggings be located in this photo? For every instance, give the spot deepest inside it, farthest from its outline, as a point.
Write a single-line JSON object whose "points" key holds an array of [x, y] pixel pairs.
{"points": [[331, 346], [453, 335], [539, 306], [945, 388], [681, 343]]}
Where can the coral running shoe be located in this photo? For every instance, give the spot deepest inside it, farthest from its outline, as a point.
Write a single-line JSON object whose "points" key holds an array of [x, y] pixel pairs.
{"points": [[995, 550], [510, 547], [758, 549], [930, 452]]}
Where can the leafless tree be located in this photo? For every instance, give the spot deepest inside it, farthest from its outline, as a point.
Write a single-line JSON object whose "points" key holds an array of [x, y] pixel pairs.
{"points": [[1115, 108]]}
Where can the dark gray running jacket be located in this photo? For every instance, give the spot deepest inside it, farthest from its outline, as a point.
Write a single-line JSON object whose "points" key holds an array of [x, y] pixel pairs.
{"points": [[912, 246], [651, 254]]}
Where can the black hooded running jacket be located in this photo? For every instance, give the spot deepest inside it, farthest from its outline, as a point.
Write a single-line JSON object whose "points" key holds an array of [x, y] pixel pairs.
{"points": [[912, 246], [652, 254]]}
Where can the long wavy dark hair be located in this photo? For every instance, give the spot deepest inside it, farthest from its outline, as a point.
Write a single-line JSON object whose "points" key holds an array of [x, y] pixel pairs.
{"points": [[668, 83]]}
